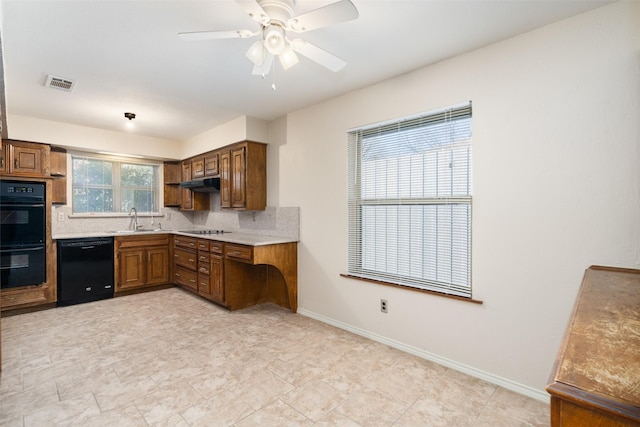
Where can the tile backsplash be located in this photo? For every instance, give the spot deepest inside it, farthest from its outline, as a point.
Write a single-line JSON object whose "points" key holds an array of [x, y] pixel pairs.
{"points": [[274, 221]]}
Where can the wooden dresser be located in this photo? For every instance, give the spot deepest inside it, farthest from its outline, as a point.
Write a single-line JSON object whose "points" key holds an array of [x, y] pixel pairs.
{"points": [[596, 377]]}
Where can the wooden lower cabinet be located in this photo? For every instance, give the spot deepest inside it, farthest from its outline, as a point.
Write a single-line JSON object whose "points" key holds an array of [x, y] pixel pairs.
{"points": [[141, 261], [235, 275], [199, 267], [211, 270]]}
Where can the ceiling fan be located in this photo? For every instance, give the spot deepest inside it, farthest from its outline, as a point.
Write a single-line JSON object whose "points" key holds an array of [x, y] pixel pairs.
{"points": [[277, 21]]}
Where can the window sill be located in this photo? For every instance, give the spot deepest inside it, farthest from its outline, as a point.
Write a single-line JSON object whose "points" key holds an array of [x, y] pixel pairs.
{"points": [[114, 215], [409, 288]]}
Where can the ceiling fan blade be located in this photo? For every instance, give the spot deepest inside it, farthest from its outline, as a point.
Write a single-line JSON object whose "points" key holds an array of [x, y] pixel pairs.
{"points": [[216, 35], [265, 68], [318, 55], [330, 14], [254, 10]]}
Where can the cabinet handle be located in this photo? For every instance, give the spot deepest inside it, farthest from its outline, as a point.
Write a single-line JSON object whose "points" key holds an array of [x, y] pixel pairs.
{"points": [[192, 281], [177, 274], [176, 256], [15, 163], [1, 162]]}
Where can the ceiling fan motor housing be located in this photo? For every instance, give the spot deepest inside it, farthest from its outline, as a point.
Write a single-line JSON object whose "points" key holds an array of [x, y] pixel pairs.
{"points": [[278, 10]]}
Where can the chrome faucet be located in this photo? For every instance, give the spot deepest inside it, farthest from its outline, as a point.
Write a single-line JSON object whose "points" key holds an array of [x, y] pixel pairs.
{"points": [[135, 218]]}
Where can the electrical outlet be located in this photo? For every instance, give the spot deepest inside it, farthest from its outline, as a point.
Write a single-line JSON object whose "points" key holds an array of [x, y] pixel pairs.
{"points": [[60, 216], [384, 305]]}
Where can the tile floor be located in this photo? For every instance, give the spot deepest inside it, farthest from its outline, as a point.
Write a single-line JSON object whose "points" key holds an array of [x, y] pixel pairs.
{"points": [[169, 358]]}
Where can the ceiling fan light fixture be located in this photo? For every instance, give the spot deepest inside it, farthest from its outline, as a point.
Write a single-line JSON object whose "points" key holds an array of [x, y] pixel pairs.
{"points": [[274, 39], [256, 53], [288, 58]]}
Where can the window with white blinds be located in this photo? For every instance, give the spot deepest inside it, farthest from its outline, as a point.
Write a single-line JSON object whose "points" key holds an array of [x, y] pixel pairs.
{"points": [[410, 201]]}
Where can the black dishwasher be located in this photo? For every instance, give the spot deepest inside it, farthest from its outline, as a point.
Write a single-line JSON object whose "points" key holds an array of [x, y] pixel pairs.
{"points": [[85, 270]]}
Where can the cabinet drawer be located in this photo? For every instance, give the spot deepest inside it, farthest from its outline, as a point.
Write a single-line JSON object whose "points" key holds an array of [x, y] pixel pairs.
{"points": [[203, 267], [141, 241], [185, 277], [185, 258], [203, 284], [240, 253], [203, 245], [185, 242], [203, 257], [216, 247]]}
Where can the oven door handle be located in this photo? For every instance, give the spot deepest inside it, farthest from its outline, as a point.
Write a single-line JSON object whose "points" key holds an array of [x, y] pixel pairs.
{"points": [[21, 205], [39, 248]]}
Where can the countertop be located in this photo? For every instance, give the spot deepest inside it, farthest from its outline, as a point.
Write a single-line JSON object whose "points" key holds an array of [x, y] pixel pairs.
{"points": [[238, 237]]}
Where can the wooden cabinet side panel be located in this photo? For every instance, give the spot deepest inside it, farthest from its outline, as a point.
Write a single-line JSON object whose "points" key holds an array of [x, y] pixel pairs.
{"points": [[256, 177]]}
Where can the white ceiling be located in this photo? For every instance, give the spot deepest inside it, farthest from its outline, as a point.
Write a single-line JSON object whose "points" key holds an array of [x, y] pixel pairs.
{"points": [[126, 56]]}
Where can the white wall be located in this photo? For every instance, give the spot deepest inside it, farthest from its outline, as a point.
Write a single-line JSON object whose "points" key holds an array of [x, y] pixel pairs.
{"points": [[556, 189], [90, 139], [239, 129]]}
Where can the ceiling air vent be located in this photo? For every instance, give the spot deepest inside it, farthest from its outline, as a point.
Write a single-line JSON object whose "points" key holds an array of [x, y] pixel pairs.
{"points": [[59, 83]]}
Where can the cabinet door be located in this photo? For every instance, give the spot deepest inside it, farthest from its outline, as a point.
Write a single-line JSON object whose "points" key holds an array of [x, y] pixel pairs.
{"points": [[211, 165], [187, 195], [131, 268], [225, 180], [29, 159], [157, 266], [238, 177], [216, 278], [4, 155], [197, 168]]}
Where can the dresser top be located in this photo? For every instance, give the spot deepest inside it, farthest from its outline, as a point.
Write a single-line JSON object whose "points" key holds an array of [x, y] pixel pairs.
{"points": [[601, 348]]}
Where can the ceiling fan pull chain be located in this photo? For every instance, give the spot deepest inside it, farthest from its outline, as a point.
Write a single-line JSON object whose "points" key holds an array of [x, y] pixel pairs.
{"points": [[273, 75]]}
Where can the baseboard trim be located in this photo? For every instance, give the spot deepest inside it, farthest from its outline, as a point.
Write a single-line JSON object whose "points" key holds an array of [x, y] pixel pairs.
{"points": [[533, 393]]}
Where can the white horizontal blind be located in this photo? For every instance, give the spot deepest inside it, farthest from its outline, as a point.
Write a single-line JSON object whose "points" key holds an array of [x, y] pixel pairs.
{"points": [[410, 201]]}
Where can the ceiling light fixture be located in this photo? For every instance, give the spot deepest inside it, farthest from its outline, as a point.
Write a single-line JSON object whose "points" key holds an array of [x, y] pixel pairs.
{"points": [[130, 116]]}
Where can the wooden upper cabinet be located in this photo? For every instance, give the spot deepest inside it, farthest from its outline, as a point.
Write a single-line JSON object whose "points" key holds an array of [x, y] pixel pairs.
{"points": [[197, 168], [191, 201], [172, 173], [211, 161], [26, 159], [58, 171], [238, 177], [243, 176], [4, 155], [172, 177], [225, 180], [187, 199]]}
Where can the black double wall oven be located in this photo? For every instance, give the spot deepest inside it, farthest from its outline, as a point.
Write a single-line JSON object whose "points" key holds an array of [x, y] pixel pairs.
{"points": [[22, 233]]}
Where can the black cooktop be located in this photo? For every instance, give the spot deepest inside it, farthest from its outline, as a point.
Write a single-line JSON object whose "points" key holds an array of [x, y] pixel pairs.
{"points": [[204, 231]]}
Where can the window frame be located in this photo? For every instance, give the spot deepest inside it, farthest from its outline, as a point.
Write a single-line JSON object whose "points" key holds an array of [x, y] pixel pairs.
{"points": [[357, 201], [116, 185]]}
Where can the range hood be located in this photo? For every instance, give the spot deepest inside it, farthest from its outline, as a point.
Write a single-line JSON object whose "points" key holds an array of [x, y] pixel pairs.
{"points": [[203, 185]]}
